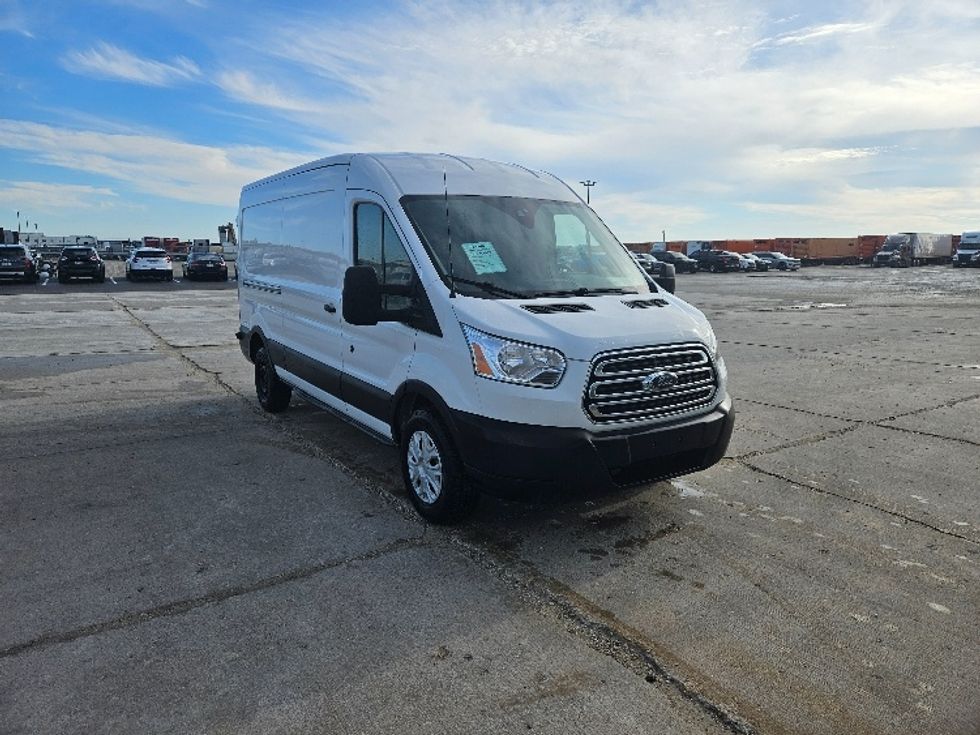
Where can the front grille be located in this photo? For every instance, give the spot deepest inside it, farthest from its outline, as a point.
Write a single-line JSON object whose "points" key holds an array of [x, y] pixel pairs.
{"points": [[615, 390]]}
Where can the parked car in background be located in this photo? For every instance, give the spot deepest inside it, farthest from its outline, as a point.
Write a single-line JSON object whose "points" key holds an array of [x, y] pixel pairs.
{"points": [[717, 261], [662, 273], [17, 263], [80, 261], [149, 263], [681, 263], [760, 264], [778, 261], [744, 264], [205, 265]]}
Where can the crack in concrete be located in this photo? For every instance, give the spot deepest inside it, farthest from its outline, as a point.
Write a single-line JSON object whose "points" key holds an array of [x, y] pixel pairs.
{"points": [[175, 351], [917, 432], [872, 506], [811, 439], [180, 607], [132, 438], [838, 353], [864, 422], [600, 629]]}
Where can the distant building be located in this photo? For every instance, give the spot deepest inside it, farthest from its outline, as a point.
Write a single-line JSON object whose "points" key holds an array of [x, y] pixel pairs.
{"points": [[40, 240]]}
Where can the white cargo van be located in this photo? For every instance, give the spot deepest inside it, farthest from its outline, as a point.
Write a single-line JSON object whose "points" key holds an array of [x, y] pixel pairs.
{"points": [[480, 317]]}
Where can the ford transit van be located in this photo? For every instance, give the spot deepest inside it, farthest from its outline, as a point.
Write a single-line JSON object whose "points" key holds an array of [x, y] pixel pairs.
{"points": [[481, 318]]}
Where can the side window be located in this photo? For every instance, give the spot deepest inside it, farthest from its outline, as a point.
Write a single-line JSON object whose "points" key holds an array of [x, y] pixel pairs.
{"points": [[377, 244], [261, 236]]}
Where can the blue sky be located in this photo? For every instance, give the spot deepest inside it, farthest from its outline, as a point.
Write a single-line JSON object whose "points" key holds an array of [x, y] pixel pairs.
{"points": [[706, 119]]}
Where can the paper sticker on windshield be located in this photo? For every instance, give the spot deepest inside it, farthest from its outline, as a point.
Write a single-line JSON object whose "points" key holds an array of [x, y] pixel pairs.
{"points": [[483, 257]]}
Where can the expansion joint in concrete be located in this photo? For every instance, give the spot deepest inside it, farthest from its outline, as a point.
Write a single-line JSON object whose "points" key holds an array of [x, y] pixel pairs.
{"points": [[598, 628], [180, 607], [841, 496]]}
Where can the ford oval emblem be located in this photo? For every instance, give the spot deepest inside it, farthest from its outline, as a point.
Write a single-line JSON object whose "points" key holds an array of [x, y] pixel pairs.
{"points": [[660, 380]]}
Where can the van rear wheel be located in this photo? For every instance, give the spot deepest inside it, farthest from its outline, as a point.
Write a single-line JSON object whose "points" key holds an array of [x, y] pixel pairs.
{"points": [[433, 472], [272, 393]]}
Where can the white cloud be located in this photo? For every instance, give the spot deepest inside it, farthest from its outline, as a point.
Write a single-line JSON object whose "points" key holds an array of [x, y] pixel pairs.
{"points": [[246, 88], [816, 33], [906, 208], [605, 80], [635, 218], [14, 20], [107, 61], [156, 165], [41, 197]]}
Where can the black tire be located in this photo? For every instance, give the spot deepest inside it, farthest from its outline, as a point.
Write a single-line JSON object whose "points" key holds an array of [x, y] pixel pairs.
{"points": [[129, 276], [441, 494], [100, 278], [713, 268], [62, 278], [272, 393], [225, 277], [169, 277]]}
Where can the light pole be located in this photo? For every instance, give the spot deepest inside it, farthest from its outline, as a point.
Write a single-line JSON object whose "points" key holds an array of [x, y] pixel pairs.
{"points": [[588, 184]]}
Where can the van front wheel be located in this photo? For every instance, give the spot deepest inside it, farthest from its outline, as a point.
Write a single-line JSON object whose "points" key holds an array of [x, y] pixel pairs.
{"points": [[433, 472]]}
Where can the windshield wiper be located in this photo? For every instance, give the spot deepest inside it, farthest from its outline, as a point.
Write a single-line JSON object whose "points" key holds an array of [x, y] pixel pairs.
{"points": [[585, 292], [490, 287]]}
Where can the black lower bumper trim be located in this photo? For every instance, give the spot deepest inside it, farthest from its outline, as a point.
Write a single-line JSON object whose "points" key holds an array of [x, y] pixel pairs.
{"points": [[506, 456]]}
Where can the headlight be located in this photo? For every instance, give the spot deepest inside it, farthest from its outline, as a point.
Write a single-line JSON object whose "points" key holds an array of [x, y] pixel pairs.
{"points": [[710, 341], [497, 358]]}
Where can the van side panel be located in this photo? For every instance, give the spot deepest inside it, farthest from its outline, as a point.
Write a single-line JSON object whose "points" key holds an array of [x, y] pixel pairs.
{"points": [[260, 227], [311, 275]]}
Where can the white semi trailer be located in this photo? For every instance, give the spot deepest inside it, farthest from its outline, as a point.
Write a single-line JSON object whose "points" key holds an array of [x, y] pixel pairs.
{"points": [[905, 249]]}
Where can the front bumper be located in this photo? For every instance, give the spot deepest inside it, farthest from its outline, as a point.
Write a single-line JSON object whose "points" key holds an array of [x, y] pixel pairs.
{"points": [[508, 457]]}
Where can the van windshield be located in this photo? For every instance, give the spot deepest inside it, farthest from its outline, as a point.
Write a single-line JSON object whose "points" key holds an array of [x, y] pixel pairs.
{"points": [[512, 247]]}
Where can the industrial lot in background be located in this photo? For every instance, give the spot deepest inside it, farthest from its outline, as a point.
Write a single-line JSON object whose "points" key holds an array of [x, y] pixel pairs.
{"points": [[923, 248], [47, 246]]}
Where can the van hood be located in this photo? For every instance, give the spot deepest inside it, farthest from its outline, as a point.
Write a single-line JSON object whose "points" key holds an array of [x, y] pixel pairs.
{"points": [[606, 324]]}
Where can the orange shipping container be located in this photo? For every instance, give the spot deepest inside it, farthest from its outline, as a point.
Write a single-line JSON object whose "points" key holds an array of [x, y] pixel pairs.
{"points": [[794, 247], [741, 246], [868, 245], [833, 250]]}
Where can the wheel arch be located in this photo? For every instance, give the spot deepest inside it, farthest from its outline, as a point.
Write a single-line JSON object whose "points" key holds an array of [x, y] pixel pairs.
{"points": [[256, 339], [412, 395]]}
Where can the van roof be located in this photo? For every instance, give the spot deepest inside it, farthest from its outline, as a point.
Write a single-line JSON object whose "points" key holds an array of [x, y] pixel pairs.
{"points": [[430, 173]]}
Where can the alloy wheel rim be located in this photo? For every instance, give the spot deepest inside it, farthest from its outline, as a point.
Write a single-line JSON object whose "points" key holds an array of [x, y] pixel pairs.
{"points": [[424, 467]]}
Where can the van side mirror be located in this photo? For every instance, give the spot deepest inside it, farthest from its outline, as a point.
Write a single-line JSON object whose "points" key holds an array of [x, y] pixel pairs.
{"points": [[361, 296]]}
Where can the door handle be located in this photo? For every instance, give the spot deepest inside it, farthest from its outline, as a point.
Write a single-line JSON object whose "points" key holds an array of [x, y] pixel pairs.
{"points": [[330, 308]]}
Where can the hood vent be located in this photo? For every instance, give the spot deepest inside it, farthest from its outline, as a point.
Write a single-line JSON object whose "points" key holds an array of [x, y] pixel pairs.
{"points": [[647, 304], [556, 308]]}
